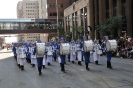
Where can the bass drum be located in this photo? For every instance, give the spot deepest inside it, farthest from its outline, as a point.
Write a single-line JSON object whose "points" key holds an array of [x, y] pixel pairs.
{"points": [[111, 45], [64, 49], [40, 49], [88, 46]]}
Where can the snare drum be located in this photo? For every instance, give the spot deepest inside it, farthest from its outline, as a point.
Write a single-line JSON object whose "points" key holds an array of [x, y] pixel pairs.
{"points": [[64, 49], [99, 52], [49, 53]]}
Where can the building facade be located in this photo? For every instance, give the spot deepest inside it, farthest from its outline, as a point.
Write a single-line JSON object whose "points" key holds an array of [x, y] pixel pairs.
{"points": [[91, 13], [19, 10], [28, 9], [42, 9], [48, 8]]}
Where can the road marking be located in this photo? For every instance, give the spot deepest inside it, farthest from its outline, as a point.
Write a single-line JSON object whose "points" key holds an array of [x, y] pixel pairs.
{"points": [[122, 62]]}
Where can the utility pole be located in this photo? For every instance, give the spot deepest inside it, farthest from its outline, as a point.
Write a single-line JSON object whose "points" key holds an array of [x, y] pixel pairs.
{"points": [[57, 17]]}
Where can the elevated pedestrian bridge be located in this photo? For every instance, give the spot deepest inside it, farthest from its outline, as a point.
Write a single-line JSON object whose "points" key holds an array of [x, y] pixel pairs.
{"points": [[19, 26]]}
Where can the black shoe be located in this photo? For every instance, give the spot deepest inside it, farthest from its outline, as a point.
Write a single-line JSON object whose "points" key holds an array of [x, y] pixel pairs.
{"points": [[22, 67], [63, 68], [73, 62], [43, 66], [39, 70], [96, 62], [18, 65], [54, 58], [79, 63], [110, 65], [49, 64], [40, 73], [33, 65], [87, 68], [69, 60]]}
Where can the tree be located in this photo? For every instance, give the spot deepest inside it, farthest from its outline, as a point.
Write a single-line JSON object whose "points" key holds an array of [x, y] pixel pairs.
{"points": [[68, 35], [109, 26], [78, 32], [61, 31]]}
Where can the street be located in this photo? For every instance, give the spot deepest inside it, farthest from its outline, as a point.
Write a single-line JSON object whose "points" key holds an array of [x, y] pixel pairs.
{"points": [[99, 76]]}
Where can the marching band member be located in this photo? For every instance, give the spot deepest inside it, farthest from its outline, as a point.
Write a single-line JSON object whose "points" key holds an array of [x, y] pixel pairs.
{"points": [[58, 53], [108, 53], [62, 57], [73, 52], [17, 55], [49, 51], [96, 56], [55, 49], [21, 55], [33, 57], [14, 50], [86, 55], [38, 56], [44, 59], [68, 56], [29, 53], [79, 51]]}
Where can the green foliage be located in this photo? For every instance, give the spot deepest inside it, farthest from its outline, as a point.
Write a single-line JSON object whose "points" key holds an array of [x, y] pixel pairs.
{"points": [[78, 32], [61, 31], [68, 35], [109, 26]]}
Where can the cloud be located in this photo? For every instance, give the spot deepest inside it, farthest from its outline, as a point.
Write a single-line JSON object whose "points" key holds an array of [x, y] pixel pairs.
{"points": [[8, 8]]}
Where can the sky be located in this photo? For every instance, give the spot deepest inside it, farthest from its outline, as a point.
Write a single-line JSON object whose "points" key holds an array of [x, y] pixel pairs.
{"points": [[8, 8], [10, 39]]}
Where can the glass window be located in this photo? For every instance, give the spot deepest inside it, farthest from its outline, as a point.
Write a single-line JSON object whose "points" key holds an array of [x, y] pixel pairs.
{"points": [[54, 14], [76, 19], [82, 15], [107, 8], [114, 7], [123, 2], [73, 19], [50, 14], [85, 17]]}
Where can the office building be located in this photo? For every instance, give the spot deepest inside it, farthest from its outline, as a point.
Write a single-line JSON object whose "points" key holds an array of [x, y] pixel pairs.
{"points": [[94, 12]]}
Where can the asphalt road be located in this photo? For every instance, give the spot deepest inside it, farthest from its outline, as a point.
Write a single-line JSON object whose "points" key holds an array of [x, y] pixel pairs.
{"points": [[121, 76]]}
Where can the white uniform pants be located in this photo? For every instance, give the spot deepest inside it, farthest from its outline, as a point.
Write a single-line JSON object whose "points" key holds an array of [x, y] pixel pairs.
{"points": [[59, 59], [79, 55], [44, 60], [33, 61], [22, 61], [72, 57], [49, 59], [18, 60], [96, 56]]}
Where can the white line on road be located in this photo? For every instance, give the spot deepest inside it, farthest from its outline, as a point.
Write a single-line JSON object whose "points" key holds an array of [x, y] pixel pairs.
{"points": [[123, 62]]}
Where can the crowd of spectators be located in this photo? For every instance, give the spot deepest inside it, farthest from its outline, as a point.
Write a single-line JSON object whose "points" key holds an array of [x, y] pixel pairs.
{"points": [[125, 48]]}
